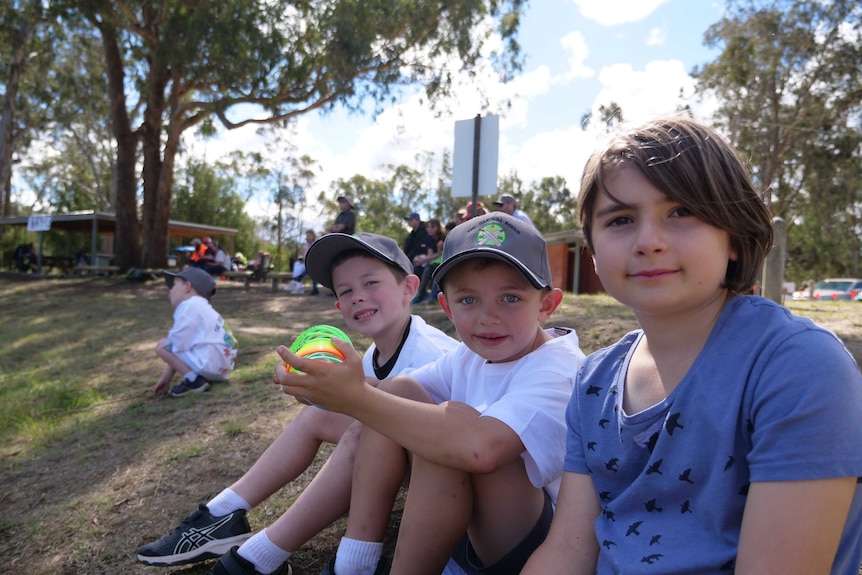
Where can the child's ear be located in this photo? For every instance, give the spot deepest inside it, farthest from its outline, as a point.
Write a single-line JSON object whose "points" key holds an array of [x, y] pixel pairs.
{"points": [[411, 284], [338, 305], [551, 299], [444, 303]]}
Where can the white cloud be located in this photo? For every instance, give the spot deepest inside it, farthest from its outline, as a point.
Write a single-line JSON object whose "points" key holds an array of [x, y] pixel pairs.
{"points": [[656, 37], [613, 12], [644, 93], [575, 46]]}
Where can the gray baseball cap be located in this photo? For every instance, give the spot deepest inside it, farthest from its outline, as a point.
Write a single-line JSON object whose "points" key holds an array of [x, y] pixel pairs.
{"points": [[203, 282], [502, 237], [321, 254]]}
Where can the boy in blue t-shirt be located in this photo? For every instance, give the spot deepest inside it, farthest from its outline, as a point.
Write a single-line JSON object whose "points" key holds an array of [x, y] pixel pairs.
{"points": [[724, 435]]}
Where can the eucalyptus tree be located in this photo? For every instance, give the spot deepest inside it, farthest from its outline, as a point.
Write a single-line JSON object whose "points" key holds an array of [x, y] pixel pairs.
{"points": [[788, 80], [208, 194], [237, 62], [74, 167], [24, 42]]}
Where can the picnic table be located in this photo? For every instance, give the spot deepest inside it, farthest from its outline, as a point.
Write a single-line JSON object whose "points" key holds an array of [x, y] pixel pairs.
{"points": [[61, 263]]}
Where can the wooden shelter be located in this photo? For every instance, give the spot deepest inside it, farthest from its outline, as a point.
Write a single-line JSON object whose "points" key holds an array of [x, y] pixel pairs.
{"points": [[101, 226]]}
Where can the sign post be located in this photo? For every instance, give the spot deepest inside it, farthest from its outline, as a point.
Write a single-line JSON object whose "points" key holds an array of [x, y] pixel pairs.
{"points": [[475, 158], [37, 223]]}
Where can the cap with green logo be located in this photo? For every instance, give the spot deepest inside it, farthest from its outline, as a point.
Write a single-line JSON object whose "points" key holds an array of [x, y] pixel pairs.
{"points": [[498, 236]]}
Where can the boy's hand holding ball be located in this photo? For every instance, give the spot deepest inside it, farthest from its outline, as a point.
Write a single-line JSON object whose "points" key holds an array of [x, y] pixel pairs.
{"points": [[298, 374]]}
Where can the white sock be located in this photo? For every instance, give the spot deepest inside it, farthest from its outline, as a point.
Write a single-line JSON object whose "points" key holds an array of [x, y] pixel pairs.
{"points": [[226, 502], [356, 557], [191, 376], [265, 555]]}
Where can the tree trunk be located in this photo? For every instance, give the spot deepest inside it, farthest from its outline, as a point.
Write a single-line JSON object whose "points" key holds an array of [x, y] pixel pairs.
{"points": [[152, 171], [127, 251], [17, 61]]}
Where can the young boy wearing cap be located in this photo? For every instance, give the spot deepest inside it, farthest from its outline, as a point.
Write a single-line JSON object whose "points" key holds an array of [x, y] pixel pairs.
{"points": [[373, 283], [484, 424], [200, 345]]}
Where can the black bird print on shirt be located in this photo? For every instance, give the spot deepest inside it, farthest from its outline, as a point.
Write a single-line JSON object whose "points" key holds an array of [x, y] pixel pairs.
{"points": [[672, 423]]}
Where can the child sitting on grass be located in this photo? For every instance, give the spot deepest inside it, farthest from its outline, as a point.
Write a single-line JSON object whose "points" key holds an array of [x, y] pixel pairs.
{"points": [[374, 283], [725, 435], [200, 346], [483, 426]]}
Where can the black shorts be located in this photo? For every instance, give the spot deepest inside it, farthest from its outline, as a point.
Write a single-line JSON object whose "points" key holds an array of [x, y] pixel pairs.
{"points": [[465, 556]]}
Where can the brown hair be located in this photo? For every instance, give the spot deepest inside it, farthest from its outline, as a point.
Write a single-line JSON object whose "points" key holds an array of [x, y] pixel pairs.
{"points": [[693, 165]]}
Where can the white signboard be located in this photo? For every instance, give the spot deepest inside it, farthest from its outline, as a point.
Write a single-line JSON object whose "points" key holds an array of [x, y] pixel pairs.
{"points": [[38, 223], [462, 161]]}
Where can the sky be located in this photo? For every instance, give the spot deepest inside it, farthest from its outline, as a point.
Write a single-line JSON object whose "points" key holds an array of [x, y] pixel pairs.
{"points": [[578, 55]]}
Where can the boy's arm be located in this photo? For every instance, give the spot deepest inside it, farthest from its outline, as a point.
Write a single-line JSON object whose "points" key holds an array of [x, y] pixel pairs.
{"points": [[793, 527], [452, 434], [570, 547]]}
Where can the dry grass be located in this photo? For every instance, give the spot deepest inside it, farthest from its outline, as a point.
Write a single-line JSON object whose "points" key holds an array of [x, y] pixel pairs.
{"points": [[93, 466]]}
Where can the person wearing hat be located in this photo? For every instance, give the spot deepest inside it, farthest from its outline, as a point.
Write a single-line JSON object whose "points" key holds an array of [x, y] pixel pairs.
{"points": [[466, 212], [418, 242], [200, 345], [345, 222], [506, 203], [373, 283], [480, 433]]}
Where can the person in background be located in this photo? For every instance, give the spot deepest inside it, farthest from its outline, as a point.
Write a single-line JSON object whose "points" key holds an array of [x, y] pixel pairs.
{"points": [[429, 261], [25, 258], [417, 242], [506, 203], [216, 260], [197, 254], [239, 262], [466, 212], [345, 222], [200, 345], [294, 286]]}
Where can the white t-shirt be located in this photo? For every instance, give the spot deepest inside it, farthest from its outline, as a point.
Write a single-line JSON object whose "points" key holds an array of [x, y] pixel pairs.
{"points": [[529, 395], [222, 259], [202, 340], [424, 344]]}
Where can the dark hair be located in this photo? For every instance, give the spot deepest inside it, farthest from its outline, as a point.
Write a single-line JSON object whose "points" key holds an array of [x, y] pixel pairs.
{"points": [[693, 165], [441, 232], [399, 273]]}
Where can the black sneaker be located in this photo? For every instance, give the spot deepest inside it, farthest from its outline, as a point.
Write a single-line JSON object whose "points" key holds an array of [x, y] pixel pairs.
{"points": [[232, 564], [200, 536], [186, 386]]}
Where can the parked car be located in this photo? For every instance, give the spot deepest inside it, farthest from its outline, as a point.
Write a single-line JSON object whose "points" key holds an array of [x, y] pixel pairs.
{"points": [[835, 289]]}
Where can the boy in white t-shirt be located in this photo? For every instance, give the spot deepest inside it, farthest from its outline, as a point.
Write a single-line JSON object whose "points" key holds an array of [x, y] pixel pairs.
{"points": [[483, 426], [200, 345], [374, 284]]}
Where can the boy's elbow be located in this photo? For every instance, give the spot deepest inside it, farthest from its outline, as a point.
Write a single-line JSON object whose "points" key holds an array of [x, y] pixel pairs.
{"points": [[487, 458]]}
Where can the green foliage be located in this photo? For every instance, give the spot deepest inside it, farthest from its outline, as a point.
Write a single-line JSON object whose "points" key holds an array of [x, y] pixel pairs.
{"points": [[205, 194], [789, 83]]}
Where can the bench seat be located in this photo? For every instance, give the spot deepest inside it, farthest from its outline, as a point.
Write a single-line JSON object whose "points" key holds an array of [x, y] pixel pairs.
{"points": [[276, 277], [245, 276]]}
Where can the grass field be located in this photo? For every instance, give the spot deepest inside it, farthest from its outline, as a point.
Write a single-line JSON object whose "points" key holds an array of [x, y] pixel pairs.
{"points": [[94, 466]]}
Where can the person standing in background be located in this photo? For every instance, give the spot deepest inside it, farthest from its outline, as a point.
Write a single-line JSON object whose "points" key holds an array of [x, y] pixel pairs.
{"points": [[345, 223]]}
